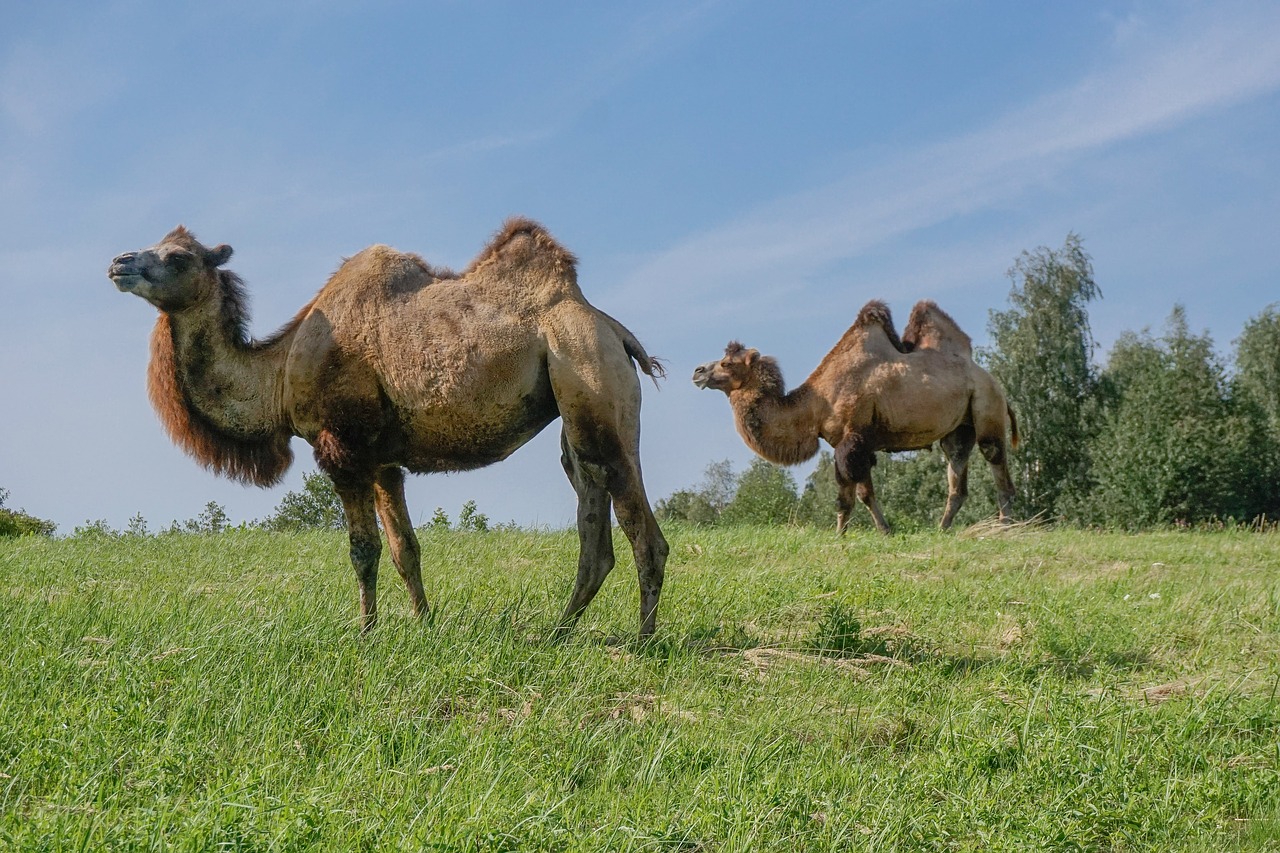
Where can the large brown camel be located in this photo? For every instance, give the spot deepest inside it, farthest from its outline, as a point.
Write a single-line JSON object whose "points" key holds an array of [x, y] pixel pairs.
{"points": [[397, 365], [874, 391]]}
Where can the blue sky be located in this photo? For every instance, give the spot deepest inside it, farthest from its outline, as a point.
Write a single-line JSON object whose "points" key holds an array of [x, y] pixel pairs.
{"points": [[722, 169]]}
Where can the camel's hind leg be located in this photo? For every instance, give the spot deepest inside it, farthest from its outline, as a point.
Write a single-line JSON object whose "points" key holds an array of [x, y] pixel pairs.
{"points": [[993, 421], [388, 493], [647, 542], [957, 447], [595, 539], [598, 395], [596, 477], [994, 451]]}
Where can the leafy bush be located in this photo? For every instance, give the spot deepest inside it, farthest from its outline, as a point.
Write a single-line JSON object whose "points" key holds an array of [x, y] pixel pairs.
{"points": [[316, 507], [470, 519], [15, 522], [212, 519], [766, 494], [705, 503], [1171, 449]]}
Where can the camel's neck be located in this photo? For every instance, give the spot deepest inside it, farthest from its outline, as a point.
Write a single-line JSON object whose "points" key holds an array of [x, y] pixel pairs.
{"points": [[219, 395], [232, 382], [782, 428]]}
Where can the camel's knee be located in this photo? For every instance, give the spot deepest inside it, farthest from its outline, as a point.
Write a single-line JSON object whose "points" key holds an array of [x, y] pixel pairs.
{"points": [[651, 575], [658, 549], [595, 557], [365, 552], [407, 555], [992, 450], [866, 493], [958, 443]]}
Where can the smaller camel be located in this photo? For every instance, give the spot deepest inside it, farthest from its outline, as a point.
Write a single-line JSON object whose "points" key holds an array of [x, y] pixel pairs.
{"points": [[876, 391]]}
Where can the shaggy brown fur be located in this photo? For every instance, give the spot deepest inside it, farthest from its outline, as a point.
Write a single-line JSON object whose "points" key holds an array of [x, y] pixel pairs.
{"points": [[260, 460], [876, 313], [398, 364], [874, 391]]}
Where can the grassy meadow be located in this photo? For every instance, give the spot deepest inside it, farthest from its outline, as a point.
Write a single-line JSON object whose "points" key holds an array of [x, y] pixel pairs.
{"points": [[1024, 689]]}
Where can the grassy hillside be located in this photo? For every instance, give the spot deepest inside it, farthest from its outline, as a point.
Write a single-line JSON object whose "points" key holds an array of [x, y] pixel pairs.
{"points": [[1036, 689]]}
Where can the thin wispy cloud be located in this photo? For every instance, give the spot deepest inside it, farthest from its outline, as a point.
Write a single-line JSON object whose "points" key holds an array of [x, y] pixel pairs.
{"points": [[1162, 77], [654, 33]]}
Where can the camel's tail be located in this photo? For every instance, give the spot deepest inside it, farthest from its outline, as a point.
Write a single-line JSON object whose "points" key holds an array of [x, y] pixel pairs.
{"points": [[649, 366], [1013, 424]]}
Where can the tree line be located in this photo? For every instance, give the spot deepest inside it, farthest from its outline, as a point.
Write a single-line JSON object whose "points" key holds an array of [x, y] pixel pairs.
{"points": [[316, 506], [1164, 432]]}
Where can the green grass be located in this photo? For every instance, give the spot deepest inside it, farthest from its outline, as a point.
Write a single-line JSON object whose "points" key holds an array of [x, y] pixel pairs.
{"points": [[1033, 690]]}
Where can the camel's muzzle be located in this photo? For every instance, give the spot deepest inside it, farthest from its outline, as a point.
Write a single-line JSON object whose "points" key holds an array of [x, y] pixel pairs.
{"points": [[125, 280], [124, 272], [702, 374]]}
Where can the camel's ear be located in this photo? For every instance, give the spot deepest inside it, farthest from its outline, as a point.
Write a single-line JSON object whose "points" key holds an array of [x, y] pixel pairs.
{"points": [[218, 255], [750, 356]]}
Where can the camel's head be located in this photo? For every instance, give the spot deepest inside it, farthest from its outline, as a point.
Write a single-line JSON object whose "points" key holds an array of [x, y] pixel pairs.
{"points": [[729, 373], [175, 273]]}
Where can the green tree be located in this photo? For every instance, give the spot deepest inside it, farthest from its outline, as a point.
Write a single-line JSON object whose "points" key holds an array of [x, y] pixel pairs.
{"points": [[817, 503], [137, 526], [1170, 449], [1042, 352], [686, 505], [15, 522], [95, 527], [316, 507], [470, 519], [912, 488], [765, 494], [1255, 391], [719, 484], [705, 503], [212, 519]]}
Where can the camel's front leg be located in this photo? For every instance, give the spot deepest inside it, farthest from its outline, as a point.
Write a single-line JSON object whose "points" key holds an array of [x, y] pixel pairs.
{"points": [[844, 506], [388, 492], [854, 461], [366, 547], [867, 494]]}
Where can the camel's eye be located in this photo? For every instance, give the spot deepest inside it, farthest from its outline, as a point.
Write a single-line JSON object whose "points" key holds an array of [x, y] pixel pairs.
{"points": [[179, 261]]}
